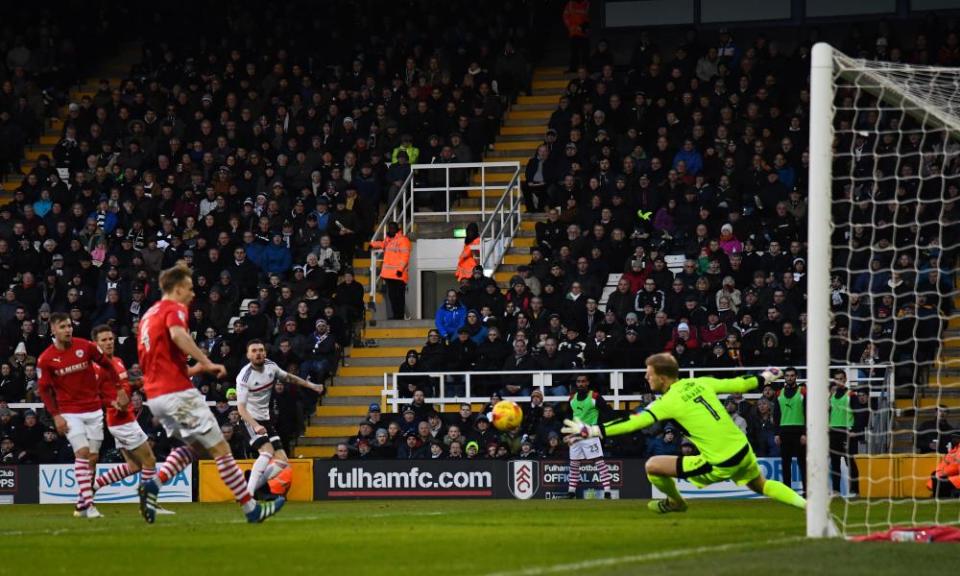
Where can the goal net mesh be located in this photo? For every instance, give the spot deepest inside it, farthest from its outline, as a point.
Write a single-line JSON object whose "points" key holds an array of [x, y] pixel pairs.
{"points": [[895, 239]]}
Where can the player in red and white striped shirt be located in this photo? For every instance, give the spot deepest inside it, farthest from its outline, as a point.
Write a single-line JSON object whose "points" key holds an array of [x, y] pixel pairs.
{"points": [[70, 392], [163, 344], [121, 422]]}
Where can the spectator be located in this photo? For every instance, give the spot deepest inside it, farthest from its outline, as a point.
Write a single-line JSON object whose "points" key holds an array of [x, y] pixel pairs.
{"points": [[451, 316], [936, 434]]}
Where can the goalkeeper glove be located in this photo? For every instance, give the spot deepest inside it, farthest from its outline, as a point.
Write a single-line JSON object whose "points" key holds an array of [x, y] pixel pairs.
{"points": [[578, 428], [771, 374]]}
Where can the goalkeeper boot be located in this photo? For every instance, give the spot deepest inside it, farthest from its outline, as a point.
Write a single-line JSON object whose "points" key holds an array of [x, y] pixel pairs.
{"points": [[265, 510], [161, 511], [149, 492], [665, 506]]}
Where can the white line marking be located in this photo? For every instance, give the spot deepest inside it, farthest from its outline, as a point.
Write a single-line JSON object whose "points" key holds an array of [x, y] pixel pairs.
{"points": [[639, 558]]}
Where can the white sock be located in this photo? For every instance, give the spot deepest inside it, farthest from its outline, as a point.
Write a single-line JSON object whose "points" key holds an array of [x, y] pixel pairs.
{"points": [[275, 467], [256, 473]]}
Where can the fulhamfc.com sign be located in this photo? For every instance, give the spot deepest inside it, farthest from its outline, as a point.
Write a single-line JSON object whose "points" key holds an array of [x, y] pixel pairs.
{"points": [[421, 479]]}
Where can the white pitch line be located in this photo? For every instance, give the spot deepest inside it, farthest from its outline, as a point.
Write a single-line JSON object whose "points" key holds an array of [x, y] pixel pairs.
{"points": [[638, 558]]}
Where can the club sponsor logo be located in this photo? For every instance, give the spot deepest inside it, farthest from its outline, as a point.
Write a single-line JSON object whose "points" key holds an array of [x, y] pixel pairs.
{"points": [[58, 485], [524, 478], [8, 479]]}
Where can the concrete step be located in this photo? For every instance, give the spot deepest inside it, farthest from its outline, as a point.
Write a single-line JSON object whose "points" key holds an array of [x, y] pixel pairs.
{"points": [[536, 130], [928, 403], [381, 333], [329, 443], [537, 135], [350, 400], [550, 86], [353, 421], [515, 114], [339, 391], [405, 343], [330, 431], [371, 361], [383, 351], [519, 146], [512, 155], [358, 411], [307, 451], [548, 107], [540, 99], [536, 121], [519, 259], [363, 371]]}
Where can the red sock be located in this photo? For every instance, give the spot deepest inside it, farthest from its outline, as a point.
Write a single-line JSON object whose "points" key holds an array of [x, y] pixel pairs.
{"points": [[232, 476], [115, 475], [81, 467], [175, 462], [573, 480], [604, 474], [147, 474]]}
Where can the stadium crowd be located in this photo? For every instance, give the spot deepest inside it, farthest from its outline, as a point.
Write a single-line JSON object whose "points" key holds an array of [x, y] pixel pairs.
{"points": [[263, 160]]}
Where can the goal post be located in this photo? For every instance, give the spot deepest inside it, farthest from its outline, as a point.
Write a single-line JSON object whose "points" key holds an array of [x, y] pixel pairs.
{"points": [[883, 247], [819, 524]]}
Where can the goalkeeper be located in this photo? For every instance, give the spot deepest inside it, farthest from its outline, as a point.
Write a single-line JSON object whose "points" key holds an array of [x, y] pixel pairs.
{"points": [[725, 453]]}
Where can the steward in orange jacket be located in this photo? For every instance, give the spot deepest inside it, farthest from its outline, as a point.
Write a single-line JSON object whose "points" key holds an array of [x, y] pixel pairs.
{"points": [[944, 482], [467, 260], [395, 269]]}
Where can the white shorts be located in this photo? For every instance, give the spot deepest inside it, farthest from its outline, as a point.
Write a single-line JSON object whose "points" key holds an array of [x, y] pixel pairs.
{"points": [[85, 430], [586, 449], [129, 436], [185, 415]]}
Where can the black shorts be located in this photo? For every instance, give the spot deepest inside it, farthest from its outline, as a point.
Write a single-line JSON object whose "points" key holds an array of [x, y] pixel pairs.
{"points": [[271, 436]]}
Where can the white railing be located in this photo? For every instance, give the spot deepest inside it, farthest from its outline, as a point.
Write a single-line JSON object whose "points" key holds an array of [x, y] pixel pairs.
{"points": [[497, 233], [403, 208]]}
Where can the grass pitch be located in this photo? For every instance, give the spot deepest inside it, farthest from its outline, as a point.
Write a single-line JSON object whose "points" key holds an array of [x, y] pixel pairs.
{"points": [[445, 537]]}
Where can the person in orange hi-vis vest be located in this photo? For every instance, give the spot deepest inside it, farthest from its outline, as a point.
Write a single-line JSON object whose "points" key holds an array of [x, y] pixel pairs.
{"points": [[396, 263], [944, 482], [468, 260], [576, 18]]}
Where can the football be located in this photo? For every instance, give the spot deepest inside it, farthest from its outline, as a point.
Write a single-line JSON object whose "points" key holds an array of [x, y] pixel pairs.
{"points": [[506, 415]]}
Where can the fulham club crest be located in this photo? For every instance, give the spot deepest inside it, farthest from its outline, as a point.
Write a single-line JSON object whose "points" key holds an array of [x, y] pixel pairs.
{"points": [[524, 478]]}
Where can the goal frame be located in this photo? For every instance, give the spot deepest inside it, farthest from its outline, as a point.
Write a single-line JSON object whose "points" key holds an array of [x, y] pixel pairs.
{"points": [[822, 91]]}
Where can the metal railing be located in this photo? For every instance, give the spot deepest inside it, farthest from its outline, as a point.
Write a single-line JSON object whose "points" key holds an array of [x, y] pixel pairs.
{"points": [[497, 233], [456, 177], [879, 379]]}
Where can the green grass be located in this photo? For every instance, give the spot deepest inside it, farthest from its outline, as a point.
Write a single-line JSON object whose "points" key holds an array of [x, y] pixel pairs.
{"points": [[445, 537]]}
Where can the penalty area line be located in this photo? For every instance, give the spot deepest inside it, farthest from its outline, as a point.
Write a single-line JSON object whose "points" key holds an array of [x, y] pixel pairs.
{"points": [[640, 558]]}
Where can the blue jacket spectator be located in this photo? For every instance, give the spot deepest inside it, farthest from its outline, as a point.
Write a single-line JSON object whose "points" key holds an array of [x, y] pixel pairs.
{"points": [[667, 444], [276, 257], [451, 316], [691, 157]]}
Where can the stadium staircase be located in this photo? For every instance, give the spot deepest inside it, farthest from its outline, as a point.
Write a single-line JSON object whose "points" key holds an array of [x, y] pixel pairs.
{"points": [[943, 388], [114, 70], [360, 383]]}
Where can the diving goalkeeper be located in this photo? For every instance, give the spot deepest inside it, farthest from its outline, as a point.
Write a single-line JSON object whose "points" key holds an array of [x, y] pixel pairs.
{"points": [[725, 453]]}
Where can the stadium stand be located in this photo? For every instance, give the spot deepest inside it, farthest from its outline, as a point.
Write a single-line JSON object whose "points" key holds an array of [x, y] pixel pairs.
{"points": [[678, 174]]}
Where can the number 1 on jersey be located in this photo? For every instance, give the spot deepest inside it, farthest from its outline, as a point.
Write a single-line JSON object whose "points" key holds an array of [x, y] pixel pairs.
{"points": [[702, 400]]}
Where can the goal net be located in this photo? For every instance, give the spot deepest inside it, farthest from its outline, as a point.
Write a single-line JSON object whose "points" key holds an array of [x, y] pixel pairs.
{"points": [[884, 202]]}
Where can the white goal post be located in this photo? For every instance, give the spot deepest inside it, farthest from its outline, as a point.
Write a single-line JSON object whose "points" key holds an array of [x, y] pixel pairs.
{"points": [[890, 131]]}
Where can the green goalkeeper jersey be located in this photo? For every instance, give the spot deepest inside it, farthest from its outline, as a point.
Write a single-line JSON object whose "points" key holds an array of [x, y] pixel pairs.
{"points": [[693, 403]]}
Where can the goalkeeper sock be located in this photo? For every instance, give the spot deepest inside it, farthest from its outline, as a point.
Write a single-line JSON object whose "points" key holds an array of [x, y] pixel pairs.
{"points": [[667, 485], [783, 493]]}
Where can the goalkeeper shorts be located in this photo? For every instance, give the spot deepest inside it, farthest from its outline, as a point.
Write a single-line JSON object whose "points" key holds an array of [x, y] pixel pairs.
{"points": [[741, 469]]}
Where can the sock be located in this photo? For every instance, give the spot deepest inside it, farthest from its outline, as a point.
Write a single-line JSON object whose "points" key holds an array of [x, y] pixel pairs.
{"points": [[783, 493], [232, 476], [81, 467], [179, 459], [604, 474], [147, 474], [667, 485], [573, 480], [256, 473], [115, 475], [275, 467]]}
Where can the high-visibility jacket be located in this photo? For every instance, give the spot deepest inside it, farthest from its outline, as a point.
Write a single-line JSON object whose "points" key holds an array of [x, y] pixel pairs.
{"points": [[948, 468], [396, 257], [467, 261], [575, 15]]}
